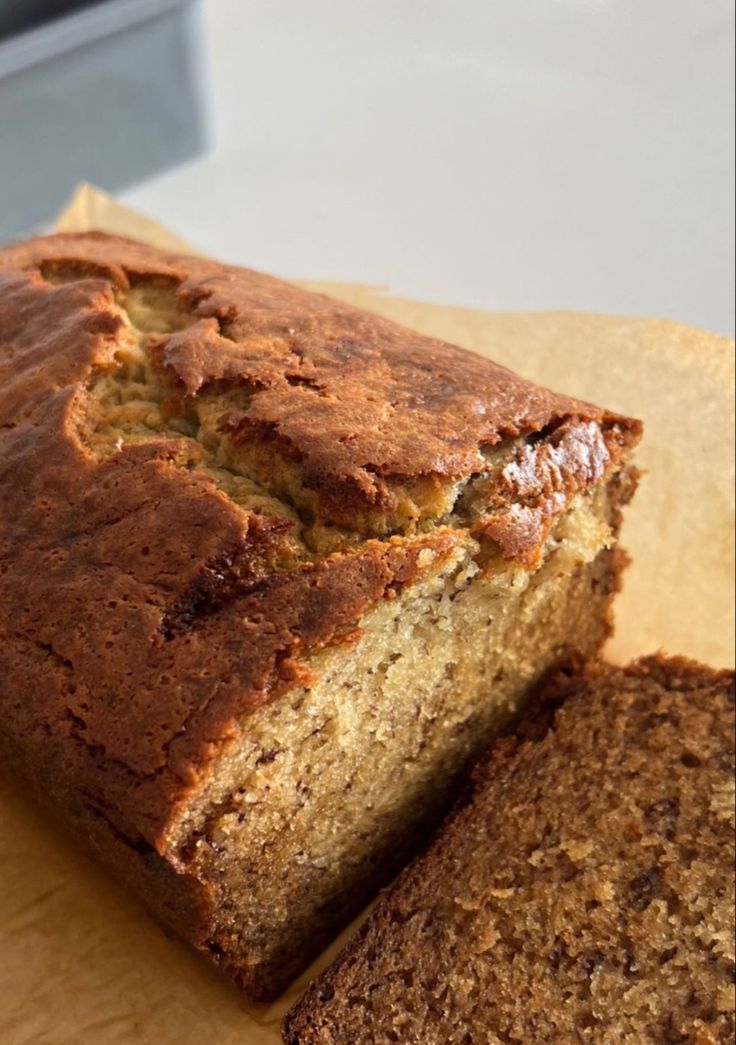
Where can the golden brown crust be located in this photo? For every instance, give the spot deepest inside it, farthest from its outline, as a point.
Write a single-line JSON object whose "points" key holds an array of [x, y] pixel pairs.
{"points": [[179, 900], [360, 402], [143, 612]]}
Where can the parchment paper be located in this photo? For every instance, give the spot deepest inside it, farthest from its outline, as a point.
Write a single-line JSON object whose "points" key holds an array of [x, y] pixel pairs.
{"points": [[81, 962]]}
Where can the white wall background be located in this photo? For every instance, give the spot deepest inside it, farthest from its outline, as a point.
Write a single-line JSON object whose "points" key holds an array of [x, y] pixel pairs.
{"points": [[508, 154]]}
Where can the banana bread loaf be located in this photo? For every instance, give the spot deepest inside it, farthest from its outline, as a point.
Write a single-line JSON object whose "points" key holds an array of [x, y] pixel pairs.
{"points": [[584, 893], [274, 571]]}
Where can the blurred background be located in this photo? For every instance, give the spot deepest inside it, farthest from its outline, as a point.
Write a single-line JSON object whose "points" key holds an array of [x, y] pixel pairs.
{"points": [[492, 153]]}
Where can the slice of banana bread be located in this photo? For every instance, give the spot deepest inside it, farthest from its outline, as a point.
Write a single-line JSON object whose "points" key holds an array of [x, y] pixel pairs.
{"points": [[584, 893], [272, 573]]}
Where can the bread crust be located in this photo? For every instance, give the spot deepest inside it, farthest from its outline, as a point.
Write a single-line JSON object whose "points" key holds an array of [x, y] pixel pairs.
{"points": [[356, 398]]}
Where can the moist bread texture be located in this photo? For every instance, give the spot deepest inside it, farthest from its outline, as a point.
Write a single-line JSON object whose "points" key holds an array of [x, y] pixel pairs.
{"points": [[585, 891], [273, 572]]}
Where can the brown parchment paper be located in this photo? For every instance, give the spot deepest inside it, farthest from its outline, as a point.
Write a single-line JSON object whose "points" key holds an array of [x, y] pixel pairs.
{"points": [[81, 962]]}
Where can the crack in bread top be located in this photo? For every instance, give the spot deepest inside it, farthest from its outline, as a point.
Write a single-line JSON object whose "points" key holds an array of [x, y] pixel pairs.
{"points": [[354, 422], [207, 473]]}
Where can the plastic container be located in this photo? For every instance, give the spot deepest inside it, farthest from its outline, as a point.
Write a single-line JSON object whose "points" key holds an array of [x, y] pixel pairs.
{"points": [[110, 93]]}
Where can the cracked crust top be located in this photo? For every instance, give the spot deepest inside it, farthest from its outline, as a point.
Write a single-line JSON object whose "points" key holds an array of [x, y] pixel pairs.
{"points": [[206, 473]]}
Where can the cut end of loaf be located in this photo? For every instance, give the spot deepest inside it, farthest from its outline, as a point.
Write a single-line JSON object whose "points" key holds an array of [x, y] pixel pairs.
{"points": [[331, 788]]}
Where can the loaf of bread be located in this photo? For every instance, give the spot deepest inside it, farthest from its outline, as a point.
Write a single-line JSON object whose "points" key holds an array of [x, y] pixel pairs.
{"points": [[585, 891], [274, 572]]}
